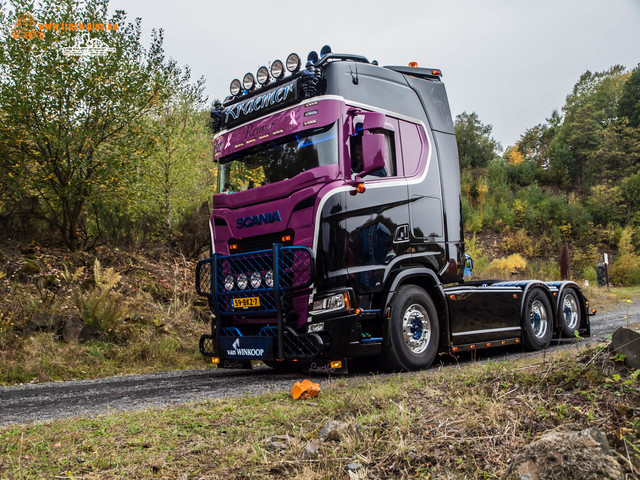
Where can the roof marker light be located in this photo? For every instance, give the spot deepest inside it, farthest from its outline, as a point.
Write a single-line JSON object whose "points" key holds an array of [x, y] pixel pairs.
{"points": [[235, 87], [263, 75], [293, 62], [436, 71], [312, 57], [413, 64], [248, 81], [277, 69]]}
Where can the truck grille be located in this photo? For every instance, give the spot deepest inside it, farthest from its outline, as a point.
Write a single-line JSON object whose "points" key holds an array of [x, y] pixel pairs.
{"points": [[228, 279]]}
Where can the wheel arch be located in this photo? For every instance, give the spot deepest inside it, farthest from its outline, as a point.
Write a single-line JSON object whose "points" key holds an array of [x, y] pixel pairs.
{"points": [[426, 279]]}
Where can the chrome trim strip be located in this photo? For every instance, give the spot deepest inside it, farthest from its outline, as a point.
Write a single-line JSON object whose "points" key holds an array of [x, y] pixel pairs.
{"points": [[490, 330]]}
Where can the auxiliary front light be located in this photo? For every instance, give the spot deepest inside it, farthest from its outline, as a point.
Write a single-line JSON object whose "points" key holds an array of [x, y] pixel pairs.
{"points": [[315, 327], [242, 281], [235, 87], [256, 280], [277, 69], [248, 81], [293, 62], [263, 75], [268, 278], [228, 282]]}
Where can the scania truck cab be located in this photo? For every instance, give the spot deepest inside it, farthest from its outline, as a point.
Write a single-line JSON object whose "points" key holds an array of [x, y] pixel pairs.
{"points": [[338, 231]]}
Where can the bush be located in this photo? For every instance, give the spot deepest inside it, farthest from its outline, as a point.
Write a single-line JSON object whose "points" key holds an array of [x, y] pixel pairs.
{"points": [[625, 272]]}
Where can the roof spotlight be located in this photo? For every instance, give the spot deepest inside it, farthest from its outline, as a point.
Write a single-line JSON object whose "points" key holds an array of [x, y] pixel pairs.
{"points": [[293, 62], [312, 57], [235, 87], [326, 50], [277, 69], [248, 81], [263, 75]]}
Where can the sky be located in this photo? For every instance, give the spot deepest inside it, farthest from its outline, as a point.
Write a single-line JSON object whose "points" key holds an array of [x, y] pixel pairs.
{"points": [[511, 61]]}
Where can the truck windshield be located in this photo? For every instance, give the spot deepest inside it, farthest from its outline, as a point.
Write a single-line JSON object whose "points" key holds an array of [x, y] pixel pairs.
{"points": [[278, 160]]}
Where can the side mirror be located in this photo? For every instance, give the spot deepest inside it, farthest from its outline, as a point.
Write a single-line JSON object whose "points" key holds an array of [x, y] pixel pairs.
{"points": [[373, 152]]}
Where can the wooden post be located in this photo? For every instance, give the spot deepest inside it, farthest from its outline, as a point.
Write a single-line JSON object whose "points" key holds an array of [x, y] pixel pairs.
{"points": [[565, 263]]}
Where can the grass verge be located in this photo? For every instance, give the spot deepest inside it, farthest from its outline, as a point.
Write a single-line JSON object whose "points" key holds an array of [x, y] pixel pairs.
{"points": [[446, 423]]}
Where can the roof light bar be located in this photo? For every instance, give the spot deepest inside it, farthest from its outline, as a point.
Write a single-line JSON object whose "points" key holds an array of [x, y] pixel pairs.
{"points": [[263, 75], [249, 81], [293, 62], [277, 69], [313, 56], [235, 87]]}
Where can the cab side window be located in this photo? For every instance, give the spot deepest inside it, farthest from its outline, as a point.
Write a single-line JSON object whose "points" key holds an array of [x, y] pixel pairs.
{"points": [[355, 146]]}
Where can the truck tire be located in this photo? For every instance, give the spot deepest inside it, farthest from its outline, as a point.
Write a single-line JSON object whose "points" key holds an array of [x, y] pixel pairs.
{"points": [[412, 339], [537, 320], [569, 313]]}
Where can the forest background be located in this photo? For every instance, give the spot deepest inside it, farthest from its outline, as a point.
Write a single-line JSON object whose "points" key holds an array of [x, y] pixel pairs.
{"points": [[112, 153]]}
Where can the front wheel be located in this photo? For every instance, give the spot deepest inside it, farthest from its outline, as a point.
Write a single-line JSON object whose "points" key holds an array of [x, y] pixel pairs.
{"points": [[569, 312], [412, 340], [537, 320]]}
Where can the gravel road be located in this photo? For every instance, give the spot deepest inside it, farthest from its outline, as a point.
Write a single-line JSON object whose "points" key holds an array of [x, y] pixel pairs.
{"points": [[47, 401]]}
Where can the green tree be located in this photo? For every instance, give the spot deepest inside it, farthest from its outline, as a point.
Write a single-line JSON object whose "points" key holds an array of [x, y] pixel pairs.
{"points": [[178, 176], [575, 153], [476, 146], [74, 125], [629, 105]]}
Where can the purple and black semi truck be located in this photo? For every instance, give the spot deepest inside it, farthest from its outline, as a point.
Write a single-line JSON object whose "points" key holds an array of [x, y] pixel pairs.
{"points": [[338, 234]]}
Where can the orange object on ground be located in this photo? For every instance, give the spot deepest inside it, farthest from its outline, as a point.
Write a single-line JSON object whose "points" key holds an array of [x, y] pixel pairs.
{"points": [[305, 389]]}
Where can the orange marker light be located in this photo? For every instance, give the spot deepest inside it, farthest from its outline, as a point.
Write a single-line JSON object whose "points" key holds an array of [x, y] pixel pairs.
{"points": [[233, 246], [360, 188], [455, 349], [215, 360], [472, 347], [286, 238], [436, 72], [413, 64], [336, 364]]}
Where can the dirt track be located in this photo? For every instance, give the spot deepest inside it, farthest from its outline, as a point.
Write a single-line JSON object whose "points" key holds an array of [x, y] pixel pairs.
{"points": [[41, 402]]}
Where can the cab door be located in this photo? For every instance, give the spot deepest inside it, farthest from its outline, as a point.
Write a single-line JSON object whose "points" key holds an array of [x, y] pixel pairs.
{"points": [[376, 221]]}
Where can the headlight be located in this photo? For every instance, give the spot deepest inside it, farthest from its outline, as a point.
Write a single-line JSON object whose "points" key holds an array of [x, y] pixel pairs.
{"points": [[241, 281], [235, 87], [228, 282], [277, 69], [263, 75], [256, 280], [248, 81], [293, 62], [268, 278], [339, 301]]}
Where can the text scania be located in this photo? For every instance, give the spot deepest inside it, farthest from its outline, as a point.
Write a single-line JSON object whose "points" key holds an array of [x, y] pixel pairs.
{"points": [[260, 102], [250, 221]]}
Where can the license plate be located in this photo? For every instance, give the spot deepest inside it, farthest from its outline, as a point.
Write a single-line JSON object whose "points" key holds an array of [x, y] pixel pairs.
{"points": [[246, 302]]}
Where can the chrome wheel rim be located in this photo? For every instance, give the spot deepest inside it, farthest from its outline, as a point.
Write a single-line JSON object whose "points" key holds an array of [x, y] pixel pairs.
{"points": [[570, 311], [416, 328], [538, 319]]}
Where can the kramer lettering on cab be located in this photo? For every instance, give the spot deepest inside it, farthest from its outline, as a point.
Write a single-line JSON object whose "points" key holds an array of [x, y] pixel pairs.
{"points": [[321, 250]]}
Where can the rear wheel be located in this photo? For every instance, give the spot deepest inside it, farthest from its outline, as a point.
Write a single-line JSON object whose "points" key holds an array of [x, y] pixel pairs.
{"points": [[412, 340], [537, 320], [570, 316]]}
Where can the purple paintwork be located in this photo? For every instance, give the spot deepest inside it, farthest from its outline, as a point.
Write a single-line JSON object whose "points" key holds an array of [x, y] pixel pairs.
{"points": [[312, 114]]}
